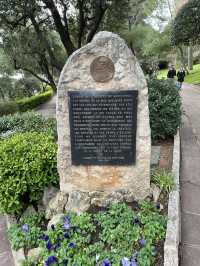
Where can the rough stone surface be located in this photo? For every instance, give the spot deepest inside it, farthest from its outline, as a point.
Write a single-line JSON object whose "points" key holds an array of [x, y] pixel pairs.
{"points": [[135, 179], [155, 155], [56, 205], [78, 202], [35, 253], [49, 193], [155, 190], [55, 220], [29, 211], [171, 246]]}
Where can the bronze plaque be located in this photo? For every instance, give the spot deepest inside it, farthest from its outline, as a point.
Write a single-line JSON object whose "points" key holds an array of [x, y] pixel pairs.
{"points": [[102, 69]]}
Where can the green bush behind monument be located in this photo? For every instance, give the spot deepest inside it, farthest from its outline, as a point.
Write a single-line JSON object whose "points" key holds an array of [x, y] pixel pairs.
{"points": [[27, 165], [164, 108]]}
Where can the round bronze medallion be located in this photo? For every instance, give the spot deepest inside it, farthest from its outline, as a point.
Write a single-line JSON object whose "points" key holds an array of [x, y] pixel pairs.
{"points": [[102, 69]]}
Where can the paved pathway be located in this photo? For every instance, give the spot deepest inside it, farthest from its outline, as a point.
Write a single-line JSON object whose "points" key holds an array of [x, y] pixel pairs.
{"points": [[6, 258], [190, 177], [48, 109]]}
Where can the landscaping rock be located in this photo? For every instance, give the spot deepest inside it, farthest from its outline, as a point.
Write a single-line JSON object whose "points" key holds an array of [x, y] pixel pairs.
{"points": [[56, 205], [101, 199], [29, 211], [35, 253], [78, 202], [55, 220], [49, 193], [155, 190]]}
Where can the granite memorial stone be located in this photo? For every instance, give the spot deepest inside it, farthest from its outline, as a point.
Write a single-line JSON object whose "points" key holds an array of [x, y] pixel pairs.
{"points": [[104, 140]]}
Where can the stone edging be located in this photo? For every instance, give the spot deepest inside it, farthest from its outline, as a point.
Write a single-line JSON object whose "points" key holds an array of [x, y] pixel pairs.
{"points": [[18, 256], [171, 246]]}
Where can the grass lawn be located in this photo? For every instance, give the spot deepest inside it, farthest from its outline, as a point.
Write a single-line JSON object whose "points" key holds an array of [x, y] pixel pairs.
{"points": [[192, 78]]}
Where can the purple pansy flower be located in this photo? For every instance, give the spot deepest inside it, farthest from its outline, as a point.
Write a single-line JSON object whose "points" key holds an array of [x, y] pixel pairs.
{"points": [[142, 242], [44, 237], [133, 262], [106, 262], [49, 245], [51, 260], [53, 227], [67, 219], [72, 245], [67, 225], [66, 235], [157, 205], [125, 262], [25, 228]]}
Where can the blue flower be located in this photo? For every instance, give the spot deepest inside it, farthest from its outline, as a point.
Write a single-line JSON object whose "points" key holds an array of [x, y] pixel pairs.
{"points": [[66, 235], [142, 242], [49, 245], [67, 225], [133, 262], [125, 262], [53, 227], [106, 262], [44, 237], [25, 228], [67, 219], [157, 205], [72, 245], [51, 260]]}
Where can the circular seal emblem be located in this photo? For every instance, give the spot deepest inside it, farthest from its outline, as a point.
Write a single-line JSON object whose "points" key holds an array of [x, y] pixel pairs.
{"points": [[102, 69]]}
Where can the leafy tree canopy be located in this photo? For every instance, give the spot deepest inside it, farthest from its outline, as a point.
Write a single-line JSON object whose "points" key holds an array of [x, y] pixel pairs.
{"points": [[186, 25]]}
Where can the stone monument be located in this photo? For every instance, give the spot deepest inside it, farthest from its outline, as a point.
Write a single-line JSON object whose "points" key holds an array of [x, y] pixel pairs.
{"points": [[104, 140]]}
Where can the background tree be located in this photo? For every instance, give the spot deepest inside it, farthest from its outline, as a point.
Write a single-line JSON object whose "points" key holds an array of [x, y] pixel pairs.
{"points": [[186, 28]]}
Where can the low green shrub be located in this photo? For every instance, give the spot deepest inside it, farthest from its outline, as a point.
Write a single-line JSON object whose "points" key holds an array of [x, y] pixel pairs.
{"points": [[164, 180], [27, 122], [164, 107], [10, 107], [27, 165]]}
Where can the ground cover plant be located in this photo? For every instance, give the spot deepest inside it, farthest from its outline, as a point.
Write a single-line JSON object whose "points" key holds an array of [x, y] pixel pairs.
{"points": [[119, 235]]}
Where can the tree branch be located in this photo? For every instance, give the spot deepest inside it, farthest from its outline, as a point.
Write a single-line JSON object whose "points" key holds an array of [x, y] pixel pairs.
{"points": [[62, 30]]}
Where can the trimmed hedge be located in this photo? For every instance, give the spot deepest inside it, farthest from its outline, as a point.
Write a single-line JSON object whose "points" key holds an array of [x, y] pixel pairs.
{"points": [[25, 104], [165, 108], [27, 165]]}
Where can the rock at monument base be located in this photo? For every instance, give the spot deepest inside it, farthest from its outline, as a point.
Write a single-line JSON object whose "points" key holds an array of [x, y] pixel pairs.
{"points": [[35, 253], [103, 184], [55, 220], [78, 202], [49, 193], [56, 205]]}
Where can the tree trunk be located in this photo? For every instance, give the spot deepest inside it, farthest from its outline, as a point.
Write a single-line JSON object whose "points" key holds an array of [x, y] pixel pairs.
{"points": [[190, 57], [183, 59], [62, 30]]}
